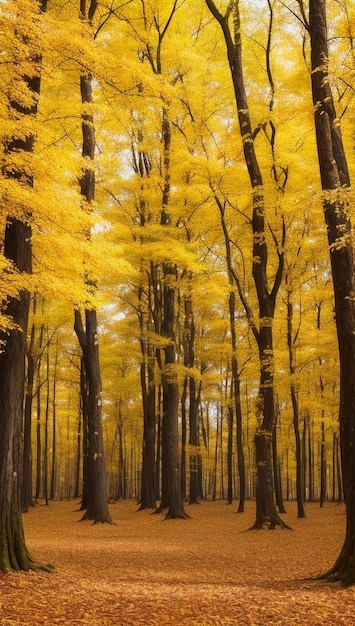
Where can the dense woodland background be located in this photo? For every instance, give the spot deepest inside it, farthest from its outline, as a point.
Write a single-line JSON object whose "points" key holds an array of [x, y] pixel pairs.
{"points": [[137, 196]]}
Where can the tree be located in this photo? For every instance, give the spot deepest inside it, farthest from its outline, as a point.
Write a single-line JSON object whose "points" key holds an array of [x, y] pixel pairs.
{"points": [[266, 513], [235, 382], [192, 391], [96, 504], [147, 319], [27, 499], [291, 338], [171, 467], [335, 181], [22, 106]]}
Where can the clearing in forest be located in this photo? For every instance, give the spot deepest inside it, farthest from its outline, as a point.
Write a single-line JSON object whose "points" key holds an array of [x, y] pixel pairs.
{"points": [[205, 571]]}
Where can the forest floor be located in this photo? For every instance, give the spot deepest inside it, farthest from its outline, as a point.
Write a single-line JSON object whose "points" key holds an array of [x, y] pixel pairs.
{"points": [[205, 571]]}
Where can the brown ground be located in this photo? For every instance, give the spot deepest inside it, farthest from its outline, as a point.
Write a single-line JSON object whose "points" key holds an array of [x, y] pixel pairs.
{"points": [[205, 571]]}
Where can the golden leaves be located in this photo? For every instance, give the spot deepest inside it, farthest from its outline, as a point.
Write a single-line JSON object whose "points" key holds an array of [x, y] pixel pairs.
{"points": [[145, 572]]}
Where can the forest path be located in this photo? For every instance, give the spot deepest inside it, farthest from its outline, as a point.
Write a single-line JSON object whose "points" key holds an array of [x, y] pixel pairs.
{"points": [[205, 571]]}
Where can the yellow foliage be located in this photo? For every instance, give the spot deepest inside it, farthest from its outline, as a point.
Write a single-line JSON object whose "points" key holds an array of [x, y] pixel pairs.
{"points": [[155, 202]]}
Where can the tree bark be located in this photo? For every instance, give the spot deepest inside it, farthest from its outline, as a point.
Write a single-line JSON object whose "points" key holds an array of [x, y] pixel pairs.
{"points": [[172, 495], [84, 394], [192, 394], [148, 387], [277, 471], [235, 382], [13, 551], [27, 499], [195, 459], [147, 499], [39, 465], [295, 409], [97, 503], [54, 429], [151, 359], [335, 181]]}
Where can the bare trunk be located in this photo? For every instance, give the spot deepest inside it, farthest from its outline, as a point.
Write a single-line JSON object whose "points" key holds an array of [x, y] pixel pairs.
{"points": [[295, 409], [13, 551], [97, 504], [172, 496], [193, 393], [27, 499], [147, 499]]}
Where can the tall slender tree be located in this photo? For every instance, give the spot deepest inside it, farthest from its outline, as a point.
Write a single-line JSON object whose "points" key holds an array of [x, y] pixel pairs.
{"points": [[23, 95], [335, 181], [192, 391], [96, 494], [235, 382], [163, 272], [266, 513], [27, 499], [142, 167]]}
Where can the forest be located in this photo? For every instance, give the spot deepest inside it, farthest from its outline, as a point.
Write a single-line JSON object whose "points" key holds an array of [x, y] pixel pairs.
{"points": [[177, 319]]}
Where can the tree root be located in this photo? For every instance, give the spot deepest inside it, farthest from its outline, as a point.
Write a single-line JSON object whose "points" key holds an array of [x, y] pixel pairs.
{"points": [[344, 574], [177, 516], [269, 522]]}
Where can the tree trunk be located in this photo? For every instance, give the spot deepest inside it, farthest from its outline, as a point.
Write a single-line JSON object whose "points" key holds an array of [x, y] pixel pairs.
{"points": [[174, 500], [183, 438], [239, 428], [277, 472], [78, 455], [158, 463], [335, 182], [13, 552], [299, 456], [230, 472], [54, 430], [46, 429], [97, 505], [339, 480], [295, 409], [213, 489], [121, 477], [193, 392], [172, 496], [221, 457], [194, 440], [235, 382], [27, 499], [38, 443], [148, 494], [266, 513], [84, 394], [311, 467], [148, 489], [323, 470]]}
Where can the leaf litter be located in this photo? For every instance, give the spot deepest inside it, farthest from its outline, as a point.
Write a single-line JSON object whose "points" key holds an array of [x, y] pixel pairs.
{"points": [[205, 571]]}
